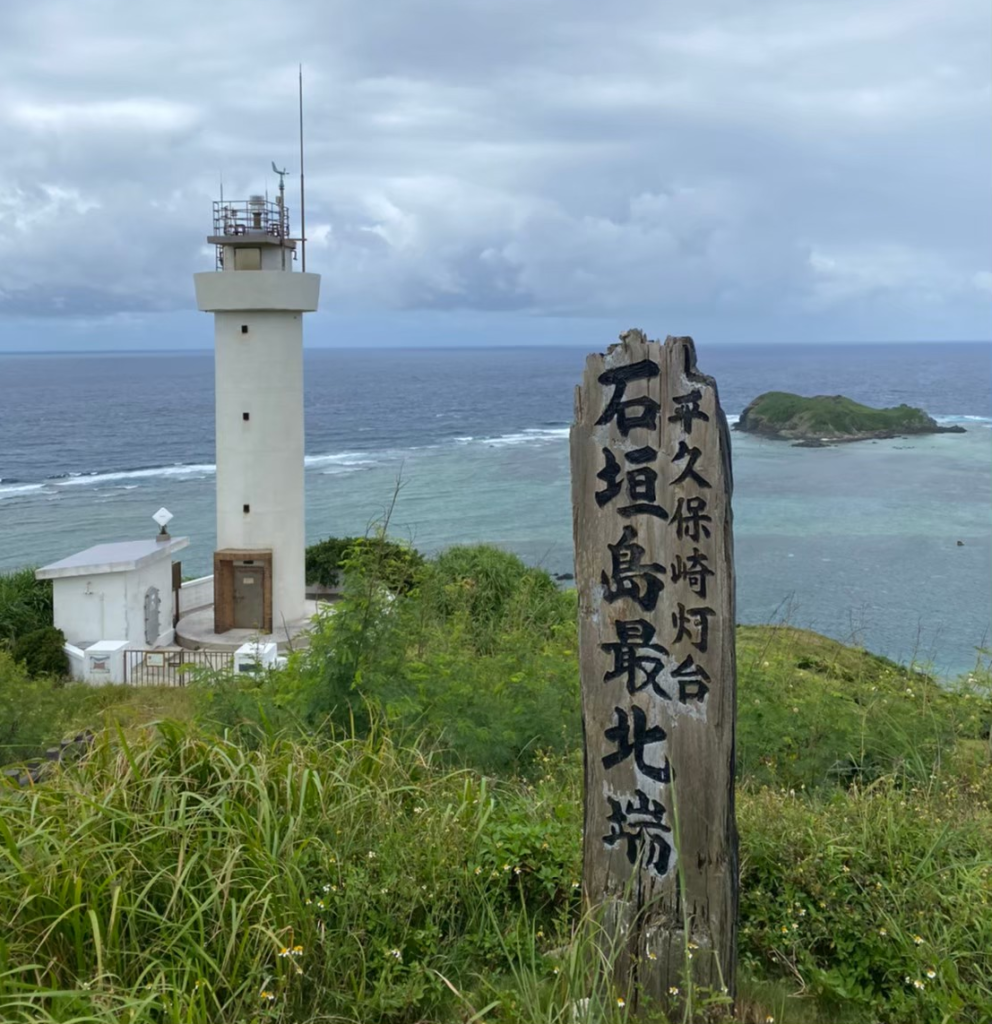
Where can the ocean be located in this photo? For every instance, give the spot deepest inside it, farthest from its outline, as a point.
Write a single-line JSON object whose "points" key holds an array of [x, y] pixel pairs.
{"points": [[859, 542]]}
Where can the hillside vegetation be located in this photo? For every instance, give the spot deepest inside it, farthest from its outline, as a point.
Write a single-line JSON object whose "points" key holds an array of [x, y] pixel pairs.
{"points": [[784, 415], [390, 830], [25, 605]]}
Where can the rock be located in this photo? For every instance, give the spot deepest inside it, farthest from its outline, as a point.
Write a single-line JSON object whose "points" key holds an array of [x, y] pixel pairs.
{"points": [[960, 543]]}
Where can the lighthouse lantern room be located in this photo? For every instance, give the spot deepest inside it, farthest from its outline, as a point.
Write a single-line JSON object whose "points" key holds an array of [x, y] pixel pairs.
{"points": [[258, 301]]}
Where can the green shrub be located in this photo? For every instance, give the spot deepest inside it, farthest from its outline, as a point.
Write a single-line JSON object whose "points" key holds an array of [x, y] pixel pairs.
{"points": [[479, 657], [323, 560], [493, 592], [25, 604], [397, 565], [42, 651], [489, 576]]}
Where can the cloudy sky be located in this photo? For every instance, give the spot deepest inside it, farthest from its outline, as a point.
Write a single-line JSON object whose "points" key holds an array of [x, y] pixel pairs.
{"points": [[505, 171]]}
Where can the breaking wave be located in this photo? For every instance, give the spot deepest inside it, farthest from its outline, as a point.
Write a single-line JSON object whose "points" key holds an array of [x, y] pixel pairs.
{"points": [[9, 490], [530, 435], [978, 421], [335, 463], [180, 470]]}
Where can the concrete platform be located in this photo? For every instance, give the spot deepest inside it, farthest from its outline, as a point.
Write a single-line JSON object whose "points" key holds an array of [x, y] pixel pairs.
{"points": [[196, 632]]}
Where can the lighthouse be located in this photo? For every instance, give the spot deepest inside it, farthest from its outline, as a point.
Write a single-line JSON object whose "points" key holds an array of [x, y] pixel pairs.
{"points": [[258, 300]]}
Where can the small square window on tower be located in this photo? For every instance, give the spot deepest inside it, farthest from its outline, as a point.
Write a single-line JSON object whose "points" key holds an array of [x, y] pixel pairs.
{"points": [[244, 328], [246, 509], [246, 416], [248, 259]]}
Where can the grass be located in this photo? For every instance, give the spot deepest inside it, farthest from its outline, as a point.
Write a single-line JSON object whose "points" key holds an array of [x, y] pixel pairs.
{"points": [[185, 866], [390, 830], [172, 876], [814, 712], [36, 713]]}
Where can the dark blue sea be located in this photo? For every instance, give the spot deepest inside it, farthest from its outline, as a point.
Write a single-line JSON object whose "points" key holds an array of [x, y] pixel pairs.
{"points": [[859, 542]]}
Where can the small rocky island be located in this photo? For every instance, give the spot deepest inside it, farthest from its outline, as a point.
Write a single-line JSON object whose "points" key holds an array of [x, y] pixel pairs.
{"points": [[832, 419]]}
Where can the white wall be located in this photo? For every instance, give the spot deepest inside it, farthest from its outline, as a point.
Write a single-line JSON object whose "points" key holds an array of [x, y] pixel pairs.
{"points": [[259, 371], [91, 608], [111, 606], [198, 593], [260, 461], [239, 290]]}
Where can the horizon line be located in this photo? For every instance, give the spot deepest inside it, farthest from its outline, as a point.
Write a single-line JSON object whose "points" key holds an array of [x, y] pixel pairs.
{"points": [[469, 347]]}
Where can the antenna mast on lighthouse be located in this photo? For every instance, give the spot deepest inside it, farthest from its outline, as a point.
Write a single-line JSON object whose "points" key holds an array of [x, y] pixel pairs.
{"points": [[303, 216], [281, 201]]}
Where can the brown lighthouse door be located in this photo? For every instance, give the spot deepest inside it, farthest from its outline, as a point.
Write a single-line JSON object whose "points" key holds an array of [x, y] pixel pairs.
{"points": [[242, 590], [249, 610]]}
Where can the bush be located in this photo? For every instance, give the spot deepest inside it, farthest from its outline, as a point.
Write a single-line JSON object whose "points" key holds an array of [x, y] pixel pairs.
{"points": [[397, 565], [323, 560], [42, 652], [493, 592], [25, 604], [480, 657], [491, 671]]}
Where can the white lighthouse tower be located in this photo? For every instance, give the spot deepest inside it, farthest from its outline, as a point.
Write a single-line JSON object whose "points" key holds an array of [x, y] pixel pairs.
{"points": [[258, 301]]}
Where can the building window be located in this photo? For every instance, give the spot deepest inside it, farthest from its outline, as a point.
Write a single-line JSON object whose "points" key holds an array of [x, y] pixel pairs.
{"points": [[244, 328], [246, 509], [246, 416]]}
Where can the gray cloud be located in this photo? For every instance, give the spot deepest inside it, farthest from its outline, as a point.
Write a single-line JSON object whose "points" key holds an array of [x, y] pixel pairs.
{"points": [[816, 168]]}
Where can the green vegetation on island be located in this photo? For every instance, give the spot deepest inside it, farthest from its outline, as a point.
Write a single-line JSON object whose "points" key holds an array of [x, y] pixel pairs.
{"points": [[389, 828], [832, 418]]}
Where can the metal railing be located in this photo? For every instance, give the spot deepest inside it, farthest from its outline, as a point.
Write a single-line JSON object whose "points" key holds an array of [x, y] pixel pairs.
{"points": [[172, 666], [252, 216]]}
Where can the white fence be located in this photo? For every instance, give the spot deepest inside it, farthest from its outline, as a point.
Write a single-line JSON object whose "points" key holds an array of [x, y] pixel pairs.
{"points": [[195, 594]]}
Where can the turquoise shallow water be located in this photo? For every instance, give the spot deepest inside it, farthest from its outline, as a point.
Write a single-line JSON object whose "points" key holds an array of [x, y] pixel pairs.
{"points": [[858, 542]]}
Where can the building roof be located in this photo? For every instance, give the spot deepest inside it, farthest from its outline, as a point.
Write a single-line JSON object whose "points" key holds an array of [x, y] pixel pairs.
{"points": [[118, 557]]}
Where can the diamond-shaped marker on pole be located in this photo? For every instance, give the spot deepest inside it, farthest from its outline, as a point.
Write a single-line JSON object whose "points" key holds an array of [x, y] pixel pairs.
{"points": [[163, 517]]}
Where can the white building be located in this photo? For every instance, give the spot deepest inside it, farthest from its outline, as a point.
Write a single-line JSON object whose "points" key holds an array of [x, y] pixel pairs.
{"points": [[122, 592], [258, 301]]}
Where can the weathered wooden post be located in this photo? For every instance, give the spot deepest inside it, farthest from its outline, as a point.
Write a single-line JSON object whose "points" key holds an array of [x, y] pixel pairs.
{"points": [[651, 486]]}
